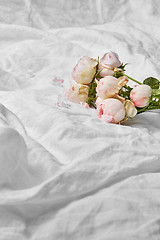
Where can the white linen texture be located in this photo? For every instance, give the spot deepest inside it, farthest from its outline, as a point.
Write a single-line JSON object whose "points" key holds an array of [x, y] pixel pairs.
{"points": [[65, 174]]}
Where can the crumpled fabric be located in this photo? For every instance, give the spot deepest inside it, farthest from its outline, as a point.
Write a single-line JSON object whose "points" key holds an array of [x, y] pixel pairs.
{"points": [[64, 173]]}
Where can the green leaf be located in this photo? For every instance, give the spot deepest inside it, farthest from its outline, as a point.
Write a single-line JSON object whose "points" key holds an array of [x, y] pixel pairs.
{"points": [[156, 91], [152, 82], [125, 92], [123, 66], [120, 72]]}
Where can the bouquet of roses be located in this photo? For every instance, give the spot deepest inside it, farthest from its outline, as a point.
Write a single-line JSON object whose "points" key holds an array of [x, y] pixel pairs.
{"points": [[103, 84]]}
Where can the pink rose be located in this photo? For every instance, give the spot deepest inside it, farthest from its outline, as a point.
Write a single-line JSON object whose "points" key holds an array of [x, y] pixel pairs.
{"points": [[107, 87], [85, 70], [107, 64], [110, 110], [140, 95], [78, 93], [84, 104]]}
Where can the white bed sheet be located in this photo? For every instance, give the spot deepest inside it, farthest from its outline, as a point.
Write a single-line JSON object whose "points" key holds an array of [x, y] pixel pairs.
{"points": [[64, 174]]}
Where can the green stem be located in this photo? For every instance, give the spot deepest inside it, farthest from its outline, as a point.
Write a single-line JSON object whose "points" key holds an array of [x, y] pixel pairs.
{"points": [[142, 110], [147, 109], [154, 86], [132, 79], [97, 76], [93, 105], [92, 98]]}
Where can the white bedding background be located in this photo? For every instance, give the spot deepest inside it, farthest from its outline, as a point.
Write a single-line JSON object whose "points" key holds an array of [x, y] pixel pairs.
{"points": [[64, 174]]}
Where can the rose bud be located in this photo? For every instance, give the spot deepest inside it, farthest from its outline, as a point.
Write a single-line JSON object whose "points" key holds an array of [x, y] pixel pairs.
{"points": [[85, 70], [140, 95], [78, 93], [107, 64], [110, 110], [107, 87]]}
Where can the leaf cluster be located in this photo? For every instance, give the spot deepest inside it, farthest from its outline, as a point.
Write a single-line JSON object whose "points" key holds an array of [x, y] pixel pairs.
{"points": [[123, 66], [125, 92], [154, 83]]}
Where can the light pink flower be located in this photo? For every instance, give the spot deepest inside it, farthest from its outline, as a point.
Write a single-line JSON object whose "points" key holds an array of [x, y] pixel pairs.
{"points": [[107, 87], [110, 110], [77, 93], [140, 95], [85, 70], [107, 64], [84, 104]]}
